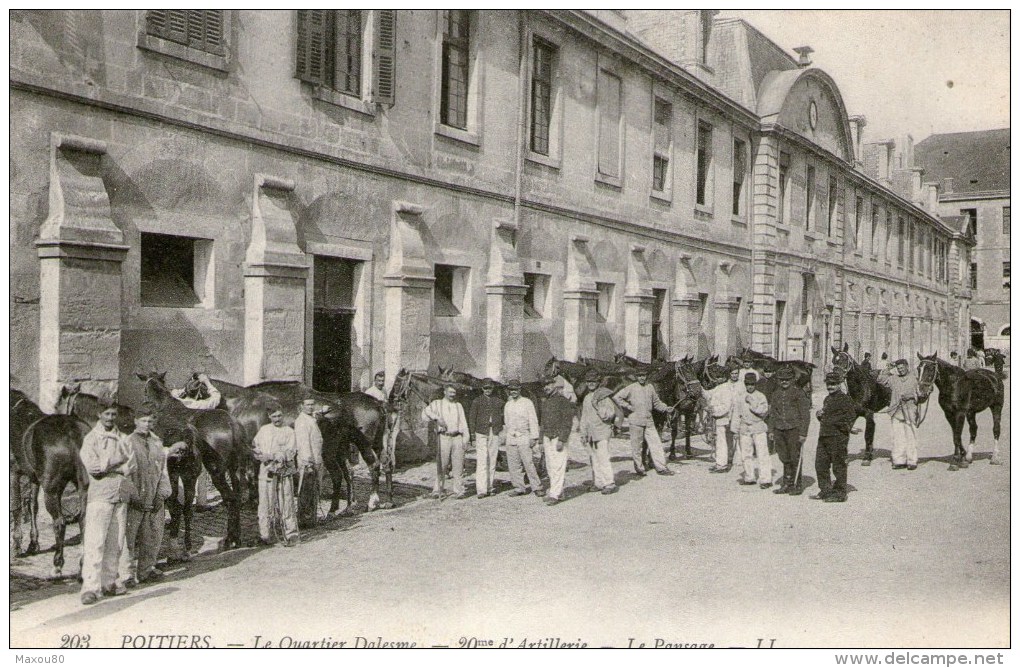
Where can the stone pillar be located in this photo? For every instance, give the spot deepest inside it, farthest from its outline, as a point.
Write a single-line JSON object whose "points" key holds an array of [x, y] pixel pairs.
{"points": [[80, 256], [867, 333], [408, 285], [686, 325], [504, 290], [725, 326], [580, 302], [275, 273], [763, 241], [894, 342], [638, 304]]}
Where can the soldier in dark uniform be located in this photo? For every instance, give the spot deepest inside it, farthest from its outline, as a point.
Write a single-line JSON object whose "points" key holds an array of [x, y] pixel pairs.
{"points": [[788, 420], [837, 417], [866, 362]]}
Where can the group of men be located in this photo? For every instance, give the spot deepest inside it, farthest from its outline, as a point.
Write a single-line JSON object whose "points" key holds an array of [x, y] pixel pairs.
{"points": [[515, 423], [129, 485]]}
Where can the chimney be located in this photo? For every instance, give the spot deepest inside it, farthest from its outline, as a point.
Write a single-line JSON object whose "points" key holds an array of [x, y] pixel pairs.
{"points": [[857, 124], [805, 55], [933, 197], [948, 185]]}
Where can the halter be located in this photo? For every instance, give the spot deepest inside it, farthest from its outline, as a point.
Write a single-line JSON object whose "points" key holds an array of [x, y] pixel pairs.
{"points": [[922, 370]]}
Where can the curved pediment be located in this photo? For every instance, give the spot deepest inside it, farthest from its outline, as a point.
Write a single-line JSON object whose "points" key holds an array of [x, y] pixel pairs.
{"points": [[807, 102]]}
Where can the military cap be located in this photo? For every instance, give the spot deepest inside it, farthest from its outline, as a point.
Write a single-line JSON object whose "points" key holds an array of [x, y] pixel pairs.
{"points": [[902, 361], [833, 378], [488, 384], [750, 379], [785, 373], [513, 384], [592, 377], [144, 411]]}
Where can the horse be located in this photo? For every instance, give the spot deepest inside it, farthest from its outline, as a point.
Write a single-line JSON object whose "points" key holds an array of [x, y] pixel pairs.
{"points": [[692, 406], [962, 395], [45, 450], [349, 418], [213, 439], [868, 395]]}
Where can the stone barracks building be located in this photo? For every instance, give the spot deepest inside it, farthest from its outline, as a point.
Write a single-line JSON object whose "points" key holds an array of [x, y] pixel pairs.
{"points": [[316, 194]]}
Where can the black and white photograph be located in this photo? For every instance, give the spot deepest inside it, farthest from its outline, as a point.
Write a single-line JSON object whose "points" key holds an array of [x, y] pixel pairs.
{"points": [[511, 329]]}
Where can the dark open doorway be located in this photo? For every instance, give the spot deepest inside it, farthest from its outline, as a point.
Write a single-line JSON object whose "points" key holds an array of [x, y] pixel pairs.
{"points": [[332, 325]]}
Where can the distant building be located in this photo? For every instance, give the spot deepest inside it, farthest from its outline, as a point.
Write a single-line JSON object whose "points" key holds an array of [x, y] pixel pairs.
{"points": [[972, 172], [316, 194]]}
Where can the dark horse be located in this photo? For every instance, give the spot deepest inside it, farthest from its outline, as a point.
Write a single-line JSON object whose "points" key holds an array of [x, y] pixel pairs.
{"points": [[868, 395], [962, 395], [213, 439], [45, 451], [349, 418], [996, 359]]}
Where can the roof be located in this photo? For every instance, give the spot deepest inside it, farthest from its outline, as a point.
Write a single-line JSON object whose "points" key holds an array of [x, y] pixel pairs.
{"points": [[978, 162]]}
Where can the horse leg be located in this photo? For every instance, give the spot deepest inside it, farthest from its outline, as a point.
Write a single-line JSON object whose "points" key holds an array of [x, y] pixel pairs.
{"points": [[231, 501], [330, 459], [672, 436], [53, 507], [188, 479], [33, 516], [373, 499], [688, 427], [996, 430], [957, 425], [869, 438], [972, 422], [345, 470]]}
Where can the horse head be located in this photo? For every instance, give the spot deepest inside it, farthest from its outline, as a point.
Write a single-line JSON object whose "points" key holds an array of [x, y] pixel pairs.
{"points": [[156, 392], [927, 373], [842, 360]]}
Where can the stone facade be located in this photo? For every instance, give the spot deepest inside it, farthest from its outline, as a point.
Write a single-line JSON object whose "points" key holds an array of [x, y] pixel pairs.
{"points": [[323, 226]]}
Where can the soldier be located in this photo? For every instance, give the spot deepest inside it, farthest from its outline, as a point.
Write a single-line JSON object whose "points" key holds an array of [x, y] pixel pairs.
{"points": [[108, 461], [274, 447], [452, 425], [521, 429], [837, 417], [902, 413], [145, 514], [308, 441], [721, 403], [866, 362], [788, 421], [559, 416], [378, 389], [641, 399], [596, 427], [485, 421], [749, 425]]}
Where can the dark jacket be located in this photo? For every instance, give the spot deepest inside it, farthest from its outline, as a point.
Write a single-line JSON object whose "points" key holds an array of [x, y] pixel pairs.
{"points": [[486, 413], [790, 409], [838, 416], [557, 417]]}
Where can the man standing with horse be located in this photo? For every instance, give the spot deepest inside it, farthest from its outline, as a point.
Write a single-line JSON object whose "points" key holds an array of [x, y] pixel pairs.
{"points": [[108, 461], [452, 426], [308, 441], [837, 418], [486, 424], [522, 431], [788, 421], [902, 413], [597, 414], [749, 425], [721, 403], [145, 514], [640, 399], [275, 449]]}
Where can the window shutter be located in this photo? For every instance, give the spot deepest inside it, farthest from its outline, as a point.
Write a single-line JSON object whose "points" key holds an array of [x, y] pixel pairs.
{"points": [[315, 45], [384, 56], [212, 31], [171, 24]]}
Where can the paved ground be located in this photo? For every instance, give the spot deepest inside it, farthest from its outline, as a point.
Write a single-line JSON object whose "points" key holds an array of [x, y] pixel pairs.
{"points": [[913, 559]]}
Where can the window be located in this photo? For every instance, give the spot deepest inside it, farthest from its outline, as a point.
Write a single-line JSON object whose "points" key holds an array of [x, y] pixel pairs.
{"points": [[541, 95], [973, 276], [662, 117], [858, 216], [809, 193], [888, 235], [536, 296], [331, 54], [784, 186], [901, 238], [910, 246], [805, 298], [1005, 220], [604, 306], [450, 291], [609, 110], [739, 171], [874, 229], [456, 54], [176, 271], [704, 184], [833, 194], [971, 215], [1005, 275], [200, 29]]}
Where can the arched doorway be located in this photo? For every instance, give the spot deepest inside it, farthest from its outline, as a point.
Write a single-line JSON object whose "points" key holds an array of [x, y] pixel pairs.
{"points": [[977, 334]]}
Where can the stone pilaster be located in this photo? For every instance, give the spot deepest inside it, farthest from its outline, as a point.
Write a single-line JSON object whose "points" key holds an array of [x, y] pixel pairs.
{"points": [[686, 325], [408, 285], [639, 301], [580, 301], [504, 290], [81, 252], [726, 326], [764, 214], [896, 333], [275, 273]]}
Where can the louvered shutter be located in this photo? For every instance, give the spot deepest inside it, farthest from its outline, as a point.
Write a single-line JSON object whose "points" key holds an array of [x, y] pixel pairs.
{"points": [[200, 29], [384, 56], [315, 45], [171, 24], [210, 35]]}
